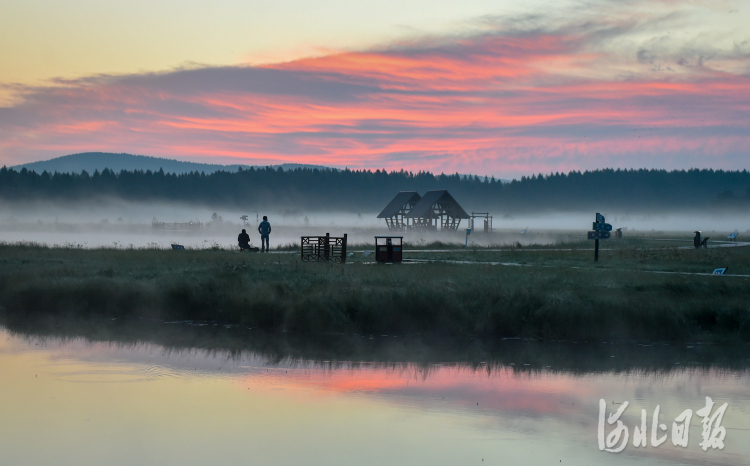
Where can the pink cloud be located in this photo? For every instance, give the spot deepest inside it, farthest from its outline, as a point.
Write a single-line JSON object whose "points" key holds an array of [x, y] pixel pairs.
{"points": [[495, 103]]}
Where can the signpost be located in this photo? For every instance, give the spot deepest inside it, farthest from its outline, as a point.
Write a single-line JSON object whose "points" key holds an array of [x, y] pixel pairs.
{"points": [[599, 235], [601, 226], [599, 230]]}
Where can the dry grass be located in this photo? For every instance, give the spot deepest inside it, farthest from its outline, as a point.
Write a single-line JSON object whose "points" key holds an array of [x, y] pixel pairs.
{"points": [[561, 295]]}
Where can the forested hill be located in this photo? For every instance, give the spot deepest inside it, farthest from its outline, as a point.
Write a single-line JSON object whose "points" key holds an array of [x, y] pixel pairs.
{"points": [[357, 191], [91, 161]]}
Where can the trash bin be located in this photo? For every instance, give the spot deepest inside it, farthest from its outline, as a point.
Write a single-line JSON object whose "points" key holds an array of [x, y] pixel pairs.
{"points": [[388, 248]]}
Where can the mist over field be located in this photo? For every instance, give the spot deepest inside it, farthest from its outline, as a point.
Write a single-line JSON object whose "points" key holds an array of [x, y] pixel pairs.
{"points": [[116, 223], [138, 139], [112, 208]]}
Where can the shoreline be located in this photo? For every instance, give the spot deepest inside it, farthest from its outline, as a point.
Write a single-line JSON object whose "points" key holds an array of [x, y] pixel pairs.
{"points": [[556, 295], [391, 351]]}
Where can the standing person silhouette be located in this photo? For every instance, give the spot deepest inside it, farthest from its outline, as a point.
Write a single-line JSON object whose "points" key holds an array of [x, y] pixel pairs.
{"points": [[264, 229]]}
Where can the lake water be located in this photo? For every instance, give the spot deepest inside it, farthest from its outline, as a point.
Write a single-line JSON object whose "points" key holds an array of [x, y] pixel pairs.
{"points": [[70, 400]]}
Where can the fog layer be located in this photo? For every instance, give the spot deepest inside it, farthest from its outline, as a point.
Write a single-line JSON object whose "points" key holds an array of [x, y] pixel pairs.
{"points": [[116, 223]]}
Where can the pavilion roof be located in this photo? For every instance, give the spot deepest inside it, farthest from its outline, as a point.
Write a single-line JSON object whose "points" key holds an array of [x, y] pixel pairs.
{"points": [[423, 208], [398, 202]]}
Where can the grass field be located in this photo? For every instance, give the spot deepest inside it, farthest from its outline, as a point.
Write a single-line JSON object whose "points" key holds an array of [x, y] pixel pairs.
{"points": [[551, 291]]}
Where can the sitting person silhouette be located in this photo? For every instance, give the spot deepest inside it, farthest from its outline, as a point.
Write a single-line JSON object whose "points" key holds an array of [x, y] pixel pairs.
{"points": [[244, 241]]}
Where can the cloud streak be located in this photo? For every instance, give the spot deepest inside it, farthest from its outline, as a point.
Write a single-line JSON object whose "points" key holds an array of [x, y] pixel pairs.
{"points": [[503, 100]]}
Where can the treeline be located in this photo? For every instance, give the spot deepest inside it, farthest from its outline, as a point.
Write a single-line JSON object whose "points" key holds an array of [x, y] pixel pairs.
{"points": [[364, 190]]}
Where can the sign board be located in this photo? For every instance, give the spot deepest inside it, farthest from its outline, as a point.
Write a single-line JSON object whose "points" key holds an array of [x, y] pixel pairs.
{"points": [[720, 271], [599, 235], [600, 231], [732, 236], [523, 232]]}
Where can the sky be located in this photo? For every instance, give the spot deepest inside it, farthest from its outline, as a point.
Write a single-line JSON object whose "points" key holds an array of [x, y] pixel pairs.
{"points": [[501, 88]]}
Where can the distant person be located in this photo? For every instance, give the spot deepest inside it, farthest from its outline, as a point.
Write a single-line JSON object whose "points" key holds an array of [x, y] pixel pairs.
{"points": [[244, 240], [264, 229]]}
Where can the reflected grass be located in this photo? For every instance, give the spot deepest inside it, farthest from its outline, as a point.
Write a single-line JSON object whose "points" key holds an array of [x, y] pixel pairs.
{"points": [[352, 350]]}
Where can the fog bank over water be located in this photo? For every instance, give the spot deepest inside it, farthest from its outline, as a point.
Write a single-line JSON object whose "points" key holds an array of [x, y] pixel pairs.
{"points": [[116, 223]]}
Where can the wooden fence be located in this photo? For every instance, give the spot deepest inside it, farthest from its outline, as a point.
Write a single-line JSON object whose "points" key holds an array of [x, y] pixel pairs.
{"points": [[324, 248]]}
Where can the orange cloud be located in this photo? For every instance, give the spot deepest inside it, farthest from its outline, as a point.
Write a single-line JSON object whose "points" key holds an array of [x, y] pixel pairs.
{"points": [[495, 103]]}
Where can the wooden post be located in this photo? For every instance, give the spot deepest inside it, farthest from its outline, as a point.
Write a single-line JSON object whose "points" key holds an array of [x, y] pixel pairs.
{"points": [[596, 250], [343, 250], [327, 252]]}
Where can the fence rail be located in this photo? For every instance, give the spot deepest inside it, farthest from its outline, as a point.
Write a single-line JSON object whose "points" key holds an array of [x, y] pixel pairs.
{"points": [[323, 248]]}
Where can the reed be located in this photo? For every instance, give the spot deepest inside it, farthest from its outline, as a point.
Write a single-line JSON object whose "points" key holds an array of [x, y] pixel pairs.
{"points": [[555, 295]]}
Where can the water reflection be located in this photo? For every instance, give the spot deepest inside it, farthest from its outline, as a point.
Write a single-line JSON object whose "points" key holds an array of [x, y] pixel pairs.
{"points": [[168, 394]]}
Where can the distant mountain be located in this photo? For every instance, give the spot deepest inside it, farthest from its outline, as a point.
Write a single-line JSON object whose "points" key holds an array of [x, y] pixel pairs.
{"points": [[90, 161]]}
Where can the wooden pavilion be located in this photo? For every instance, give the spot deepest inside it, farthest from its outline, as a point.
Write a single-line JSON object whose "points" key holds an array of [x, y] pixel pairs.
{"points": [[395, 213], [436, 210]]}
